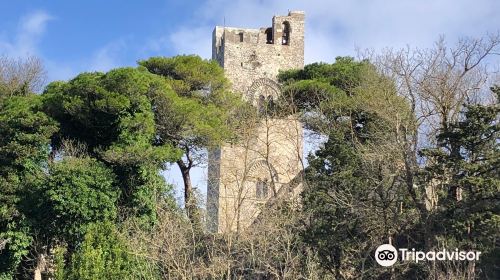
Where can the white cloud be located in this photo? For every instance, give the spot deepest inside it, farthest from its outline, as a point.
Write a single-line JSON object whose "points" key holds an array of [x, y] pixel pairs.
{"points": [[107, 57], [30, 30], [35, 23], [194, 40], [337, 27]]}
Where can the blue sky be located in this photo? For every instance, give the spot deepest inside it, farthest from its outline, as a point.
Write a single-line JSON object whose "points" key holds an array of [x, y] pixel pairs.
{"points": [[75, 36]]}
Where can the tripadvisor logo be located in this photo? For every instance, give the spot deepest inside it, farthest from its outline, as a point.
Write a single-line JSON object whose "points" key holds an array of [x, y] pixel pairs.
{"points": [[387, 255]]}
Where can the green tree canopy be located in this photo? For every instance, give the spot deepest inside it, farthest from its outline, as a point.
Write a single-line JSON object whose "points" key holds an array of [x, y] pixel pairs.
{"points": [[190, 75], [198, 118], [77, 192], [25, 133], [112, 115]]}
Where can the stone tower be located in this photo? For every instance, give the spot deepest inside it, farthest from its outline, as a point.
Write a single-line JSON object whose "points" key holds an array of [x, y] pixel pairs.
{"points": [[242, 177]]}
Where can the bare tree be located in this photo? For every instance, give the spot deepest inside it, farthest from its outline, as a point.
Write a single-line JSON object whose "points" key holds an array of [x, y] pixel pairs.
{"points": [[21, 76], [436, 82]]}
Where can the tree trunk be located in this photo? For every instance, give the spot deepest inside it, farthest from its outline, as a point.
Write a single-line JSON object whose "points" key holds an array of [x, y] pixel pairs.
{"points": [[190, 202], [41, 267]]}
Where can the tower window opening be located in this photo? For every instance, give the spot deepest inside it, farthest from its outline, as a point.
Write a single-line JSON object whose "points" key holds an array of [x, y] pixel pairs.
{"points": [[265, 104], [241, 36], [269, 36], [262, 189], [221, 46], [270, 102], [262, 104], [285, 40]]}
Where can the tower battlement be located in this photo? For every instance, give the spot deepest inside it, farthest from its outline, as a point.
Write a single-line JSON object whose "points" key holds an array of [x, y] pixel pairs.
{"points": [[246, 54]]}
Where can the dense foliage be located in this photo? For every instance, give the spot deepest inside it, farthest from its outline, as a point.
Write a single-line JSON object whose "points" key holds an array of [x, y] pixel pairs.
{"points": [[464, 168], [111, 116], [360, 192], [82, 195], [25, 133], [198, 119]]}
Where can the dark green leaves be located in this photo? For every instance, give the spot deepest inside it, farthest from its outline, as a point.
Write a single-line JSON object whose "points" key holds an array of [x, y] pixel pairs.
{"points": [[189, 75], [78, 191], [25, 133], [111, 113]]}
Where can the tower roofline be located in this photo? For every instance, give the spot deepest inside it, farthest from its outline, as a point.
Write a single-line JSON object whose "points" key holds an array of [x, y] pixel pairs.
{"points": [[230, 28], [233, 28]]}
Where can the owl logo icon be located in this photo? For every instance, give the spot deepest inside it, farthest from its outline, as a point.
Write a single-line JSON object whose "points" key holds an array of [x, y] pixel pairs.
{"points": [[386, 255]]}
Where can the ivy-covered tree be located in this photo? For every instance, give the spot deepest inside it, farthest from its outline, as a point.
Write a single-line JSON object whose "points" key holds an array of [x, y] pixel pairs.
{"points": [[25, 133], [103, 254], [76, 193]]}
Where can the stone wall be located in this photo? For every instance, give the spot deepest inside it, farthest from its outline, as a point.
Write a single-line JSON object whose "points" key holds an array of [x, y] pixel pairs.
{"points": [[254, 58]]}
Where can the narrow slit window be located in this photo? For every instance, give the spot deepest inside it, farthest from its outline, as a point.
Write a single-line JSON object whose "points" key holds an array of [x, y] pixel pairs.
{"points": [[262, 189], [261, 104], [241, 36], [258, 189], [285, 40], [270, 102], [269, 36]]}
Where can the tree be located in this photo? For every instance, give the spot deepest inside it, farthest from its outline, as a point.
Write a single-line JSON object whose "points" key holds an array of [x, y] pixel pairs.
{"points": [[25, 134], [353, 195], [103, 254], [381, 117], [74, 193], [77, 192], [436, 82], [20, 77], [322, 90], [198, 118], [466, 163], [111, 115], [336, 198]]}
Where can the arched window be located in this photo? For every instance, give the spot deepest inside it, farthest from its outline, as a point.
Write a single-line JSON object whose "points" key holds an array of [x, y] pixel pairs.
{"points": [[269, 36], [286, 33]]}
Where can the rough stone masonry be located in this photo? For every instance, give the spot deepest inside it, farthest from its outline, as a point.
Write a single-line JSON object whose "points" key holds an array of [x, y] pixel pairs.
{"points": [[243, 177]]}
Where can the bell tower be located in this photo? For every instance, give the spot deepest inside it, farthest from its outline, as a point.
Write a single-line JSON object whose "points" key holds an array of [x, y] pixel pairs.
{"points": [[243, 177]]}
